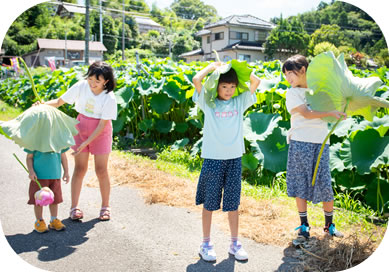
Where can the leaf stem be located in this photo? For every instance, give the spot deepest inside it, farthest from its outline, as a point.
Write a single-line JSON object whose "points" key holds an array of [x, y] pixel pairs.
{"points": [[16, 157], [31, 79], [324, 143]]}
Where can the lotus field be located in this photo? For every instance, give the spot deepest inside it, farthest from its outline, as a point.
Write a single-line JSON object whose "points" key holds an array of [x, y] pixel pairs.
{"points": [[157, 110]]}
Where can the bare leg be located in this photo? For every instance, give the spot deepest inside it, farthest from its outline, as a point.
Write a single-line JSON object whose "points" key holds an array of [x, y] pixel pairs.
{"points": [[301, 204], [80, 168], [53, 210], [207, 220], [101, 168], [233, 220], [328, 206], [38, 210]]}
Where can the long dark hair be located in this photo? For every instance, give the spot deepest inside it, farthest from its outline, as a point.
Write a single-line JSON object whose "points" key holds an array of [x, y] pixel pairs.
{"points": [[101, 68], [295, 63]]}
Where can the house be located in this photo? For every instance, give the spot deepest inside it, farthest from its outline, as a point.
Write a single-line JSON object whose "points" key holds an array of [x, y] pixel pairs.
{"points": [[235, 37], [69, 52], [145, 24]]}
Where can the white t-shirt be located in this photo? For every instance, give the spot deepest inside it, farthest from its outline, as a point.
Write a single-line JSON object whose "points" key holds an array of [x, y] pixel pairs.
{"points": [[102, 106], [302, 129]]}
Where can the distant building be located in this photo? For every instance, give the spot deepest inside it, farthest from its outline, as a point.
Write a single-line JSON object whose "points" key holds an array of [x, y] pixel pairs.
{"points": [[145, 24], [235, 37], [50, 48]]}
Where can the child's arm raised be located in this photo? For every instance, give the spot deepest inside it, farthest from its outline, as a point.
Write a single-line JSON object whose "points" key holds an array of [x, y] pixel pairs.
{"points": [[30, 167], [198, 78], [58, 102], [64, 162], [311, 114], [254, 82]]}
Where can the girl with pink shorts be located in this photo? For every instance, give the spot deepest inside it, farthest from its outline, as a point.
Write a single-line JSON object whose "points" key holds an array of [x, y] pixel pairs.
{"points": [[95, 102]]}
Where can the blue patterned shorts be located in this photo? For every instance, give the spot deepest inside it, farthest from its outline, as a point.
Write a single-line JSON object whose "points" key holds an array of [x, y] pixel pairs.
{"points": [[302, 158], [217, 176]]}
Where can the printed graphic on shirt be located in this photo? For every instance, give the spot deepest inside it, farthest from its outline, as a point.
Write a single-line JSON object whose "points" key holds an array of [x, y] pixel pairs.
{"points": [[90, 105], [226, 114]]}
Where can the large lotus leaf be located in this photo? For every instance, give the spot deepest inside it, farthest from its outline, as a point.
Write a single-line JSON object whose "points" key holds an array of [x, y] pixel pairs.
{"points": [[175, 91], [160, 103], [268, 84], [118, 124], [257, 126], [379, 124], [196, 147], [181, 127], [145, 125], [124, 96], [164, 126], [377, 195], [365, 150], [336, 162], [333, 84], [243, 72], [352, 181], [249, 162], [344, 127], [180, 144], [150, 85], [42, 128], [272, 153]]}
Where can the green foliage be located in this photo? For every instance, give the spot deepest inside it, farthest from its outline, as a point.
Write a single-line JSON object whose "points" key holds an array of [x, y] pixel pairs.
{"points": [[324, 47], [193, 9], [158, 111]]}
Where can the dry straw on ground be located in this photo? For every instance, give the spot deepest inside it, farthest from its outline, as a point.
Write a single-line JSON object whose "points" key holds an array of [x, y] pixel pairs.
{"points": [[265, 221]]}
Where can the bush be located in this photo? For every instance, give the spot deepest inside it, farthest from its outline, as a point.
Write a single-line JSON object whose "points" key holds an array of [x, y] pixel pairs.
{"points": [[324, 47]]}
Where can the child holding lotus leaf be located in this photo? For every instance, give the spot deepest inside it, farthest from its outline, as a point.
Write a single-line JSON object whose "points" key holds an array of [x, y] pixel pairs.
{"points": [[305, 137], [222, 146]]}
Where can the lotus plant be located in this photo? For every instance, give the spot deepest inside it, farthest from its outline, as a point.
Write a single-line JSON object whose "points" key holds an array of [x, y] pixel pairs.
{"points": [[335, 88]]}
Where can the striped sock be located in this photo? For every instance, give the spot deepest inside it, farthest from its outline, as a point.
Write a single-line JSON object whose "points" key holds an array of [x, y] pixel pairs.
{"points": [[328, 217], [303, 217], [234, 239], [52, 218], [206, 240]]}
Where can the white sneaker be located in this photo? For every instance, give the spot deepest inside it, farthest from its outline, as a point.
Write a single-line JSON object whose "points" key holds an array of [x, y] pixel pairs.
{"points": [[207, 252], [238, 251]]}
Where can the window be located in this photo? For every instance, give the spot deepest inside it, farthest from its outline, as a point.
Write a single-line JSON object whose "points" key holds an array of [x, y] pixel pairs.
{"points": [[260, 35], [226, 58], [244, 57], [218, 36], [208, 39], [239, 35]]}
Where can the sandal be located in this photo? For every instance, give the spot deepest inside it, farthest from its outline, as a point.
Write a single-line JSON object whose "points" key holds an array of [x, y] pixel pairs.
{"points": [[105, 214], [76, 214]]}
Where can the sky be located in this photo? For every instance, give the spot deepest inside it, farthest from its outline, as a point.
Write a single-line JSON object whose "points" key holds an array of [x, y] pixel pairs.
{"points": [[264, 9]]}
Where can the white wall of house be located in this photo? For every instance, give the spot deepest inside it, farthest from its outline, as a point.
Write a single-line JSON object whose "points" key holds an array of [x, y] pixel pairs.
{"points": [[219, 44], [204, 43]]}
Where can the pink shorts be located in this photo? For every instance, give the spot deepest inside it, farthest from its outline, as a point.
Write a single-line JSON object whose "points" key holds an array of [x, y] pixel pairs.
{"points": [[102, 144]]}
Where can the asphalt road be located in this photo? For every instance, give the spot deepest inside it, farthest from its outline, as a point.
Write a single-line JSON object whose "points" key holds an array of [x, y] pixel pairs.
{"points": [[139, 237]]}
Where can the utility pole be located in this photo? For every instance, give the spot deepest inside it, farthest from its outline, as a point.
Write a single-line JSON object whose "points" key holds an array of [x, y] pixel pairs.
{"points": [[86, 53], [123, 21], [170, 48], [101, 24]]}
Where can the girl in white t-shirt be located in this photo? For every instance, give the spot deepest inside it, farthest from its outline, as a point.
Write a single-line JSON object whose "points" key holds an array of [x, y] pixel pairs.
{"points": [[305, 137], [95, 103]]}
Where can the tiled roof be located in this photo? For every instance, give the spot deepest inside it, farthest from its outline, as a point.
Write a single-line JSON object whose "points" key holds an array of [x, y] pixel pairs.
{"points": [[245, 45], [192, 53], [203, 32], [146, 21], [70, 45], [242, 20]]}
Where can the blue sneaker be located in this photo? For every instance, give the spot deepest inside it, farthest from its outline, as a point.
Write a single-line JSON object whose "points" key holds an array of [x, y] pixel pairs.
{"points": [[331, 230], [304, 230], [207, 252]]}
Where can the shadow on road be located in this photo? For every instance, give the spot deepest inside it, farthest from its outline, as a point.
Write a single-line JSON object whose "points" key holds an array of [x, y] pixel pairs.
{"points": [[290, 263], [52, 245], [227, 265]]}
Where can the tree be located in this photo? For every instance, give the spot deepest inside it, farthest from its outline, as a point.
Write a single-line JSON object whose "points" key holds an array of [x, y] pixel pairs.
{"points": [[193, 9], [287, 35], [328, 33]]}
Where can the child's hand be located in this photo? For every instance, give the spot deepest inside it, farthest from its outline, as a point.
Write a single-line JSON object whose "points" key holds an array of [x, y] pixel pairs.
{"points": [[37, 103], [66, 177], [338, 114], [217, 64], [80, 148], [32, 176]]}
